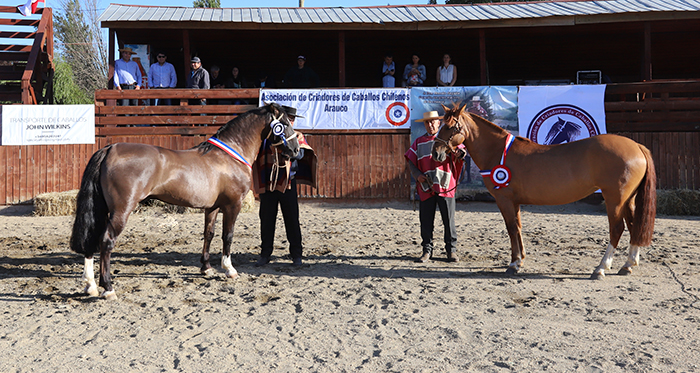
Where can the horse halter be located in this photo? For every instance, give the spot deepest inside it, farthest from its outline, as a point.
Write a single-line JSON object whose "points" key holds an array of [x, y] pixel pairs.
{"points": [[277, 128], [455, 130]]}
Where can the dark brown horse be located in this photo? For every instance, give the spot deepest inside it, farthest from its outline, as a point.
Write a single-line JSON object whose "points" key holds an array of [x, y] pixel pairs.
{"points": [[536, 174], [214, 175]]}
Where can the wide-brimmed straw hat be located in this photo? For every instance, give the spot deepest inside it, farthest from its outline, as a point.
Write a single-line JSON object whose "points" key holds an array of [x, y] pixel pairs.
{"points": [[429, 115], [127, 50], [291, 111]]}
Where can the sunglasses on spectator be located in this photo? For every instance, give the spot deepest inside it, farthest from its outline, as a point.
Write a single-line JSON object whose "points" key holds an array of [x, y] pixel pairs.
{"points": [[161, 56]]}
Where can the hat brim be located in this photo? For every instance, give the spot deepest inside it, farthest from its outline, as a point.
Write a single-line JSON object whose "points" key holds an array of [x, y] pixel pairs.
{"points": [[295, 116], [427, 119]]}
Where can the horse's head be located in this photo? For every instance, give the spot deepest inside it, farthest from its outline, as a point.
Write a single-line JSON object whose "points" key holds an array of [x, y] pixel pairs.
{"points": [[281, 133], [453, 132]]}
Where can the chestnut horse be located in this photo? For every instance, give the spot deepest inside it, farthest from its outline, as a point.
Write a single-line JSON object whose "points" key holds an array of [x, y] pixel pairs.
{"points": [[214, 175], [536, 174]]}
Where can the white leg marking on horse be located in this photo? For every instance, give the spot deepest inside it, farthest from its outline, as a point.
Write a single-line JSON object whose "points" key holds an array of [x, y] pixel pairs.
{"points": [[89, 277], [516, 264], [109, 295], [633, 259], [606, 262], [228, 267]]}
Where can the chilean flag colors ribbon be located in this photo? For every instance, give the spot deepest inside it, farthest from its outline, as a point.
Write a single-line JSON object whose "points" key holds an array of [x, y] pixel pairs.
{"points": [[500, 175], [229, 150], [30, 7]]}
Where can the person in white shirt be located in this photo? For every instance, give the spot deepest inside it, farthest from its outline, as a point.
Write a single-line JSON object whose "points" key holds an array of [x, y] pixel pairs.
{"points": [[446, 73], [127, 74], [162, 75]]}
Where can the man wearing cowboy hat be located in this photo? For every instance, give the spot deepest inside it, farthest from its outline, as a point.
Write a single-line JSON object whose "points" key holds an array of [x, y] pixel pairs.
{"points": [[278, 187], [436, 184], [127, 74]]}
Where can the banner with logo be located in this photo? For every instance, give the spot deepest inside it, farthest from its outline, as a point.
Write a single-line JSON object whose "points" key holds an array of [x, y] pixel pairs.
{"points": [[560, 114], [48, 124], [498, 104], [344, 109]]}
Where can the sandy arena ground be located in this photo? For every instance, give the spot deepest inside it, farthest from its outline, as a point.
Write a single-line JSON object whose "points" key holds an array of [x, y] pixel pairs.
{"points": [[359, 303]]}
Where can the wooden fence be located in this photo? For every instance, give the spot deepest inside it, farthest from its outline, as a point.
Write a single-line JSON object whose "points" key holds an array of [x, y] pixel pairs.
{"points": [[664, 116]]}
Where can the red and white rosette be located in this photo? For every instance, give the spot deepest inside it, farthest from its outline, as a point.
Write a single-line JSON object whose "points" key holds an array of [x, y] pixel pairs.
{"points": [[500, 176]]}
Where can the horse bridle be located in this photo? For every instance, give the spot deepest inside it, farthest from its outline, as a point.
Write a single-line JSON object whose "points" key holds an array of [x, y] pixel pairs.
{"points": [[283, 140], [455, 130]]}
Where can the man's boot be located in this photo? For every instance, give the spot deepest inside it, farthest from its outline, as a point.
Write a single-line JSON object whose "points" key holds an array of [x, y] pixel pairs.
{"points": [[427, 254], [452, 256]]}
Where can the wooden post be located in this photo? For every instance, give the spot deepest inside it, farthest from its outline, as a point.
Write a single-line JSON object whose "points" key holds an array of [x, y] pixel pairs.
{"points": [[341, 59], [110, 74], [482, 57], [647, 51]]}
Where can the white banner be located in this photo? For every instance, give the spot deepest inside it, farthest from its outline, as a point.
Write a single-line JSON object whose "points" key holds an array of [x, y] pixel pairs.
{"points": [[48, 124], [559, 114], [343, 109]]}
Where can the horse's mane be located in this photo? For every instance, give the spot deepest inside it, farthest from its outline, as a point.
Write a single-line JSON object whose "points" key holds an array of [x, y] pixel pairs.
{"points": [[236, 127]]}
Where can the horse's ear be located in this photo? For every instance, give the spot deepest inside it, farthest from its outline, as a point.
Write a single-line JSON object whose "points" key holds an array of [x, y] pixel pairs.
{"points": [[461, 108], [445, 108]]}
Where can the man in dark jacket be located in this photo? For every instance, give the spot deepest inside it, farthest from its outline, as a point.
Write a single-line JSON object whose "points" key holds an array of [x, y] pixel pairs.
{"points": [[198, 79], [301, 76]]}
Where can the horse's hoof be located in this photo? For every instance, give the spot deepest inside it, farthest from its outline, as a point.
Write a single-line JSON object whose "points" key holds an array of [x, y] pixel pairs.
{"points": [[232, 276], [597, 276], [511, 271], [109, 295], [624, 271], [209, 272], [91, 291]]}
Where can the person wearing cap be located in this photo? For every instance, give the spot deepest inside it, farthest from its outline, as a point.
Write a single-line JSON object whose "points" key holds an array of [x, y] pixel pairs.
{"points": [[198, 79], [436, 183], [127, 74], [301, 76], [162, 75], [278, 187]]}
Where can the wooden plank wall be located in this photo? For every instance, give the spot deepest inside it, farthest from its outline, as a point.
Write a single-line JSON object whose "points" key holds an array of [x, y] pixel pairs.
{"points": [[350, 165]]}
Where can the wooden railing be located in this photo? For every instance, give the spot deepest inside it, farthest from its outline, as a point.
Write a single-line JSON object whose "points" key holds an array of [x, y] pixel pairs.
{"points": [[30, 66], [656, 106], [180, 118]]}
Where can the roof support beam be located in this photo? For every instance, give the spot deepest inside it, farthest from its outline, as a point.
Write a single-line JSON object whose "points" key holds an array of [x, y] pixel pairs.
{"points": [[482, 58], [647, 51], [341, 59]]}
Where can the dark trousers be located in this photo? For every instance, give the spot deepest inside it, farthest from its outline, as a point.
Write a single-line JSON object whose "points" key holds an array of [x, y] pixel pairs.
{"points": [[427, 222], [289, 204], [126, 101]]}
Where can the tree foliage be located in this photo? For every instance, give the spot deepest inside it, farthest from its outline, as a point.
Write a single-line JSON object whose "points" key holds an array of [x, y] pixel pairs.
{"points": [[65, 90], [206, 3], [81, 44]]}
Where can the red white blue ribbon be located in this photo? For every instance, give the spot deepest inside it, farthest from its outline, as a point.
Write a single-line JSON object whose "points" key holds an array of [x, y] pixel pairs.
{"points": [[229, 150], [500, 175]]}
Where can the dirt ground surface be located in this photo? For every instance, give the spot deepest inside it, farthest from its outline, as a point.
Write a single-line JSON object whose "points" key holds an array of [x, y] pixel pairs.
{"points": [[359, 302]]}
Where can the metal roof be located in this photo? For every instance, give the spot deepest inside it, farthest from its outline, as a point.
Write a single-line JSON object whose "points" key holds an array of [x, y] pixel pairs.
{"points": [[404, 14]]}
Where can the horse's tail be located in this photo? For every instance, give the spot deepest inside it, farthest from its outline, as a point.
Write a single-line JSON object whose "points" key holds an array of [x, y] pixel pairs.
{"points": [[91, 208], [645, 212]]}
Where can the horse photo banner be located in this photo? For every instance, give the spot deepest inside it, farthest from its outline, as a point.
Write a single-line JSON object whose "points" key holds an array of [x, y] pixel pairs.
{"points": [[559, 114], [345, 109], [48, 124]]}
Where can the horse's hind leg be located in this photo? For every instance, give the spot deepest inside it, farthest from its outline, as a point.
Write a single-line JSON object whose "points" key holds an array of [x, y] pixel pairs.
{"points": [[89, 277], [617, 226], [633, 257], [115, 226], [209, 224]]}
